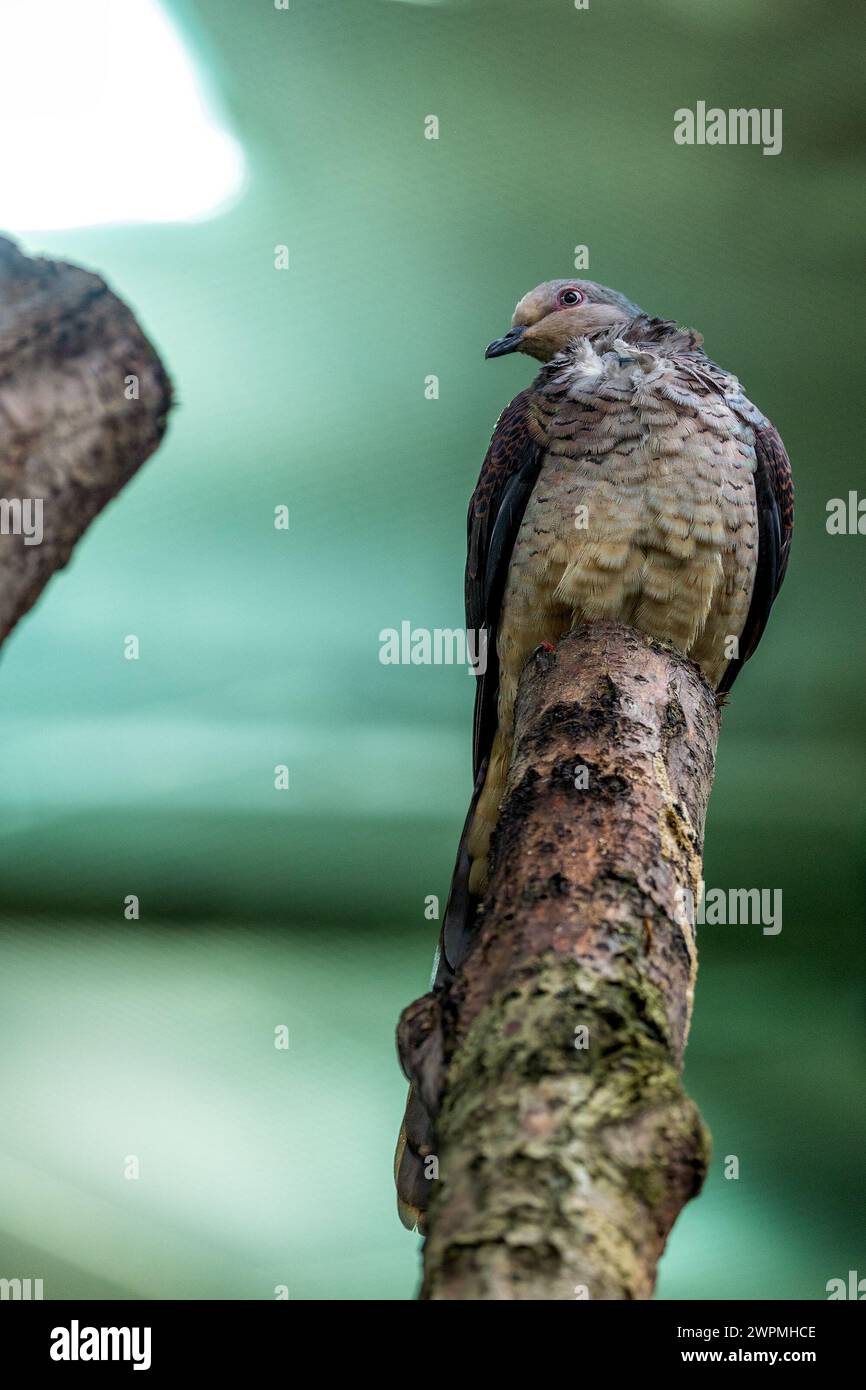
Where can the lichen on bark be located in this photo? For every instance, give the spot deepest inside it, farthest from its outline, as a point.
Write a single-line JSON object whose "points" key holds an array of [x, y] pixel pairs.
{"points": [[566, 1144]]}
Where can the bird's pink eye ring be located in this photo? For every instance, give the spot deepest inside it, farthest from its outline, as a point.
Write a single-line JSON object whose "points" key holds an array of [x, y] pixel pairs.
{"points": [[568, 298]]}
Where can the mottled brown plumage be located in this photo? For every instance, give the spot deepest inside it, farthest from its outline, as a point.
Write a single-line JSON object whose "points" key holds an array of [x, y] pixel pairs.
{"points": [[633, 481]]}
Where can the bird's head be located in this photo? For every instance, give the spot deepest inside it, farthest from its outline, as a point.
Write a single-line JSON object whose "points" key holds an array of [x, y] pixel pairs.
{"points": [[550, 316]]}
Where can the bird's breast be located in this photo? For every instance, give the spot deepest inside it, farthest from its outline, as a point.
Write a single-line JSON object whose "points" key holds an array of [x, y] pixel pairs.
{"points": [[643, 512]]}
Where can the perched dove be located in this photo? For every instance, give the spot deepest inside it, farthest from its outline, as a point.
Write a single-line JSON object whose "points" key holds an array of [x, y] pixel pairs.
{"points": [[635, 482]]}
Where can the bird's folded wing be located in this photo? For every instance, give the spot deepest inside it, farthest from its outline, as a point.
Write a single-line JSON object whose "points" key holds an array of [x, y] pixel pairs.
{"points": [[774, 499], [496, 509]]}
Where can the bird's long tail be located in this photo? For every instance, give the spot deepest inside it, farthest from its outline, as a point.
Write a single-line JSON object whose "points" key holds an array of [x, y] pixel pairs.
{"points": [[416, 1142]]}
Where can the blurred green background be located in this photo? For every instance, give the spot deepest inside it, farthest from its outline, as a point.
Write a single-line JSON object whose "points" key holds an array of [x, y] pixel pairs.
{"points": [[306, 388]]}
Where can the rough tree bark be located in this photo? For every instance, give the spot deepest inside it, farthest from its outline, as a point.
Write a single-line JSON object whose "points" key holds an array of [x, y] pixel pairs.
{"points": [[566, 1143], [84, 401]]}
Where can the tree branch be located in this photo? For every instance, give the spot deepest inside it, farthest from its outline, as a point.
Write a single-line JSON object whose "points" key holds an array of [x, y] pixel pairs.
{"points": [[566, 1143], [83, 402]]}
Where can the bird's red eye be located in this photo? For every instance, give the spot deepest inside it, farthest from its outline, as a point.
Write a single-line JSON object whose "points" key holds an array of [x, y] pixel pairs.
{"points": [[568, 298]]}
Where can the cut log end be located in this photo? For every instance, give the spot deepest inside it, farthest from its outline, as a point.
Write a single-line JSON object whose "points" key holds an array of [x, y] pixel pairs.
{"points": [[84, 401]]}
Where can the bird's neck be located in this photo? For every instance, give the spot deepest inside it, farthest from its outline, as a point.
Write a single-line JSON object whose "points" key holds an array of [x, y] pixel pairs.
{"points": [[660, 336]]}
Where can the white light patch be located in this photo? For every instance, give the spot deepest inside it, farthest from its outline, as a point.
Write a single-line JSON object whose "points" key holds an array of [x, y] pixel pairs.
{"points": [[103, 119]]}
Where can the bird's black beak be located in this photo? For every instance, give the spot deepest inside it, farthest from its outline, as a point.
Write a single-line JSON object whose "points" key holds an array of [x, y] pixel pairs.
{"points": [[510, 343]]}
